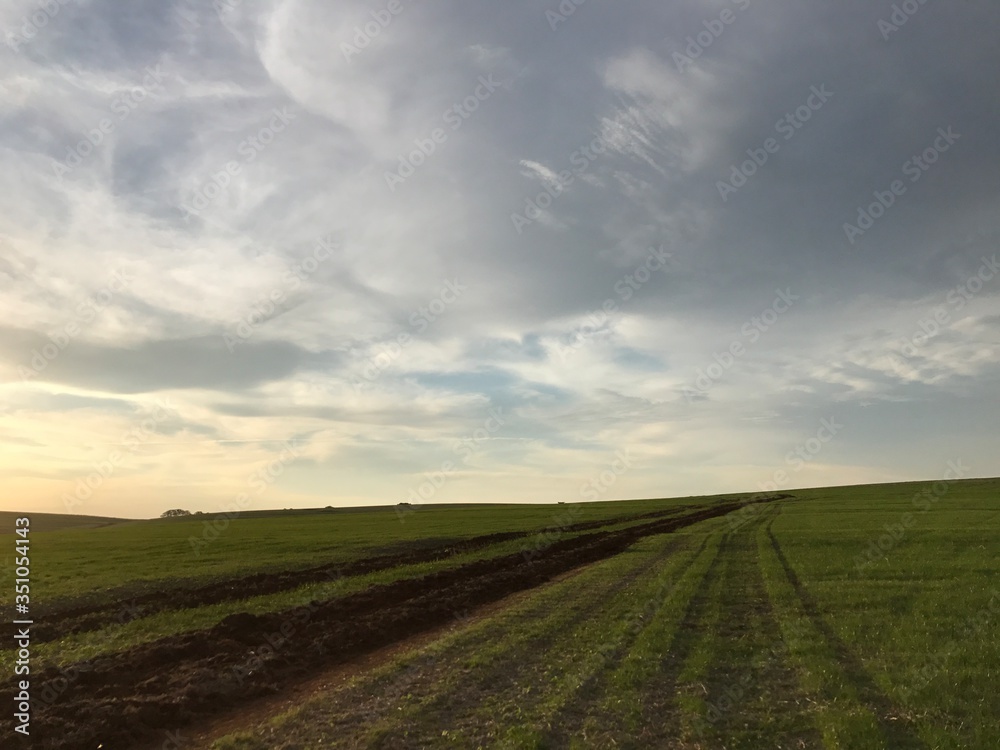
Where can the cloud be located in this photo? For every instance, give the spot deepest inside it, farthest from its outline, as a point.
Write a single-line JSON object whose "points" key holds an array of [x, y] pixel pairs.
{"points": [[176, 173]]}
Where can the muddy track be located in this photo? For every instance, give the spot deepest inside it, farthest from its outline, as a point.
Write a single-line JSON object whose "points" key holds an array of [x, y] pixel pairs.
{"points": [[751, 683], [568, 724], [140, 695], [661, 694], [511, 673], [84, 618]]}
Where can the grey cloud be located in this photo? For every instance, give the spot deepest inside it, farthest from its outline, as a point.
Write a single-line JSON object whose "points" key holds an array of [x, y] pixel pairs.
{"points": [[202, 362], [608, 75]]}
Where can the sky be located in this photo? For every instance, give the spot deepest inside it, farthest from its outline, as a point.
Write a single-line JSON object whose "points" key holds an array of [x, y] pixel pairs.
{"points": [[291, 253]]}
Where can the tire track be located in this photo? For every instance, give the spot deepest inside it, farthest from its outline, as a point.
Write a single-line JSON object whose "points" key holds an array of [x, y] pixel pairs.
{"points": [[57, 624], [506, 673], [660, 713], [136, 695], [569, 721], [893, 722], [745, 676]]}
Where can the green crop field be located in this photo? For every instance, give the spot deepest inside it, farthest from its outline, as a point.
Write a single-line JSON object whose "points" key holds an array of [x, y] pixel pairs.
{"points": [[56, 522], [856, 617], [115, 560]]}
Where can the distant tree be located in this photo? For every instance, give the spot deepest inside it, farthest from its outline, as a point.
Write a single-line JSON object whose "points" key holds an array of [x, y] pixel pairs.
{"points": [[175, 513]]}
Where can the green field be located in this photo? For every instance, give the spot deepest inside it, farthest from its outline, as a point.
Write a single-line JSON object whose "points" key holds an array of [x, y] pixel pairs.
{"points": [[56, 521], [81, 561], [857, 617]]}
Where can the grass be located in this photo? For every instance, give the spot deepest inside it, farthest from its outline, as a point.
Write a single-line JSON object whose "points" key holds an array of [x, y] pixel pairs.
{"points": [[44, 522], [769, 635], [117, 636], [924, 622], [794, 630], [840, 715], [89, 563], [490, 668]]}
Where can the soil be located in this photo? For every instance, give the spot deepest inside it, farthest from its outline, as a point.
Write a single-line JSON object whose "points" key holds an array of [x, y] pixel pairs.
{"points": [[143, 694], [81, 618]]}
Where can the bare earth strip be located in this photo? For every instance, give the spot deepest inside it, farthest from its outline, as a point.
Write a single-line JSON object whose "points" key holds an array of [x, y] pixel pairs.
{"points": [[140, 694], [80, 618], [502, 682], [741, 687], [475, 700]]}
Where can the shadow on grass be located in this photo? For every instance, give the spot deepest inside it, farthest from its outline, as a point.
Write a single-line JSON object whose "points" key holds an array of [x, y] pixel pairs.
{"points": [[898, 731]]}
